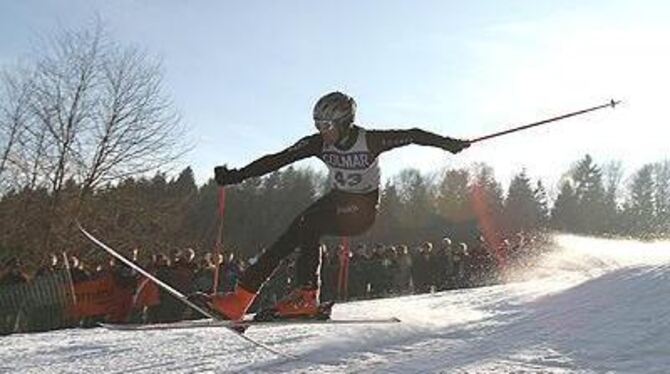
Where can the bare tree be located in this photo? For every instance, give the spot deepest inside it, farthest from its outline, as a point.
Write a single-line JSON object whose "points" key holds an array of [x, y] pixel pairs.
{"points": [[64, 97], [87, 111], [104, 110], [135, 128], [14, 105]]}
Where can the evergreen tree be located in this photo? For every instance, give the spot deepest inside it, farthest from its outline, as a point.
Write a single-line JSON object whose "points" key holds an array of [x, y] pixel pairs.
{"points": [[246, 211], [203, 221], [612, 175], [490, 190], [564, 212], [183, 197], [542, 204], [640, 208], [184, 185], [662, 196], [487, 202], [521, 210], [588, 187], [387, 225], [453, 197], [414, 193]]}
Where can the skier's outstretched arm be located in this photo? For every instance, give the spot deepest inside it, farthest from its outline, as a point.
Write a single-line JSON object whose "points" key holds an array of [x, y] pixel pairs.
{"points": [[384, 140], [305, 147]]}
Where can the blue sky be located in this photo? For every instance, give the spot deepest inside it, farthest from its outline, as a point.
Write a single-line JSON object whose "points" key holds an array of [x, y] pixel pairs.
{"points": [[245, 74]]}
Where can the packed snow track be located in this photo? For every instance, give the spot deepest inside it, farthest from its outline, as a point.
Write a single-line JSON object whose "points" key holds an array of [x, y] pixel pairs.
{"points": [[592, 306]]}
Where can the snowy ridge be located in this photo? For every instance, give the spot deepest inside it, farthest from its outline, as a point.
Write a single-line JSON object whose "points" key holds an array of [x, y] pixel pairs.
{"points": [[593, 305]]}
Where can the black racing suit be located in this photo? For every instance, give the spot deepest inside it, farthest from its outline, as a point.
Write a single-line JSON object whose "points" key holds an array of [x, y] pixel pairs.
{"points": [[337, 213]]}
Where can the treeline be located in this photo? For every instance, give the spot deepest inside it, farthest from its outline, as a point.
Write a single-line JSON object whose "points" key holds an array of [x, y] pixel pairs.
{"points": [[160, 215]]}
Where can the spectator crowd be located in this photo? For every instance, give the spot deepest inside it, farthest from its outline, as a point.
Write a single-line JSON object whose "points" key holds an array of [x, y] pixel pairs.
{"points": [[65, 291]]}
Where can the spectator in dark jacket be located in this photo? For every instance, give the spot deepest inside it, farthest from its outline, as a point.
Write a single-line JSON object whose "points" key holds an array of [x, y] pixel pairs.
{"points": [[48, 267], [13, 274], [404, 275], [11, 278]]}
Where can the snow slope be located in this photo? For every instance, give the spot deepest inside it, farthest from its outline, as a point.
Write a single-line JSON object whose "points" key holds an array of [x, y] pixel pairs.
{"points": [[592, 306]]}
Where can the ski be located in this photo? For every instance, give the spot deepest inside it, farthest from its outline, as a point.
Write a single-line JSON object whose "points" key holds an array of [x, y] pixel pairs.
{"points": [[244, 324], [179, 296]]}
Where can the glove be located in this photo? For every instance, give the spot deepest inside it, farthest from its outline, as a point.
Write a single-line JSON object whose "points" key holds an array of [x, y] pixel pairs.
{"points": [[456, 145], [225, 176]]}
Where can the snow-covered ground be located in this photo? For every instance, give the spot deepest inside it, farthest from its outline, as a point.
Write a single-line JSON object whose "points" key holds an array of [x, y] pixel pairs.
{"points": [[593, 306]]}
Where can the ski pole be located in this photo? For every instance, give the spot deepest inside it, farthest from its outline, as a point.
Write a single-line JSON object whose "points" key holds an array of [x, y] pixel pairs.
{"points": [[612, 104]]}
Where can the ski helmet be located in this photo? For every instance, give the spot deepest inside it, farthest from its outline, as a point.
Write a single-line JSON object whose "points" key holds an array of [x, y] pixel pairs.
{"points": [[336, 109]]}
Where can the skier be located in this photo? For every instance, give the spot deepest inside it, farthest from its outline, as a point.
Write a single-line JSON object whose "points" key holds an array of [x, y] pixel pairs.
{"points": [[349, 208]]}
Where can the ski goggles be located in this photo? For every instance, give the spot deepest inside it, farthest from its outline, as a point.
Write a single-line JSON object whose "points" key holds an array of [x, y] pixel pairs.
{"points": [[324, 125], [329, 124]]}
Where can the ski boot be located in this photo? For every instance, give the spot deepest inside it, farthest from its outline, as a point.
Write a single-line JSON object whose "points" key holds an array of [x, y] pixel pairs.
{"points": [[228, 306], [301, 303]]}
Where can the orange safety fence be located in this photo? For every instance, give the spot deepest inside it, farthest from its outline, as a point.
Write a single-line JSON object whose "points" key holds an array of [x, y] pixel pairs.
{"points": [[147, 294], [102, 297]]}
